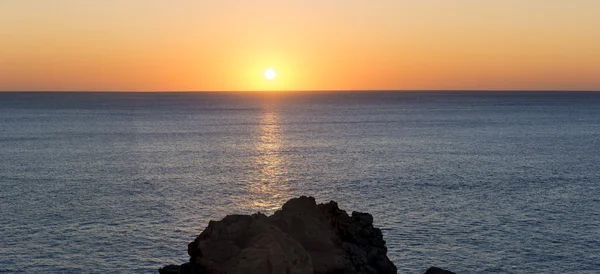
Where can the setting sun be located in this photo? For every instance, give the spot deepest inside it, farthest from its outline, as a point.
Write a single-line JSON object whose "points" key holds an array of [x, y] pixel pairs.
{"points": [[270, 74]]}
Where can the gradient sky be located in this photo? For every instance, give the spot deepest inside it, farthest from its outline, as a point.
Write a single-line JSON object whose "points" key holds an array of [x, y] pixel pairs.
{"points": [[198, 45]]}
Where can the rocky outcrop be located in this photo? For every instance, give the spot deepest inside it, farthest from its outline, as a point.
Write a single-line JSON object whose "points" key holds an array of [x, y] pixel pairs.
{"points": [[336, 242], [248, 244], [437, 270], [302, 237]]}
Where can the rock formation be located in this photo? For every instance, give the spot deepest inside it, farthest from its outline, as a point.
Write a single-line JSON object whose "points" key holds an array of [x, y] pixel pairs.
{"points": [[436, 270], [336, 242], [248, 244], [301, 238]]}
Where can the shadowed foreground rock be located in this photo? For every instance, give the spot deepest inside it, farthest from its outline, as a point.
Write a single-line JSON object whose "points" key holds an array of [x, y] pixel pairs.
{"points": [[301, 238], [436, 270]]}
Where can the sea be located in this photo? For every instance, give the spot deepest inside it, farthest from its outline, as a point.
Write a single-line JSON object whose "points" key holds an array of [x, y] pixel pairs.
{"points": [[473, 182]]}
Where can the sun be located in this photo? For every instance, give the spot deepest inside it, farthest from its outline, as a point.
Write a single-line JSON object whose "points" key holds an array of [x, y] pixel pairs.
{"points": [[270, 74]]}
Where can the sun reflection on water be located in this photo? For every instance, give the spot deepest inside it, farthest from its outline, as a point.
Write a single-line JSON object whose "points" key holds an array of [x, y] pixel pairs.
{"points": [[269, 189]]}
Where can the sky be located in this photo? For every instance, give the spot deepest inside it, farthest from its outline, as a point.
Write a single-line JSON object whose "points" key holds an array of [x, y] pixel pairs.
{"points": [[226, 45]]}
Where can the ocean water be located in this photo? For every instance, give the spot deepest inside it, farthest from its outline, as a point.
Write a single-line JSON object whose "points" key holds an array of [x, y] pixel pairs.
{"points": [[475, 182]]}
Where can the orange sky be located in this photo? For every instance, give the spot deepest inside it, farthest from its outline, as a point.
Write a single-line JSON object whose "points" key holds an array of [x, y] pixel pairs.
{"points": [[190, 45]]}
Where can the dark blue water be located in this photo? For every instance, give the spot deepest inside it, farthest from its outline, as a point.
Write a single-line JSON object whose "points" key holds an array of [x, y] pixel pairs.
{"points": [[474, 182]]}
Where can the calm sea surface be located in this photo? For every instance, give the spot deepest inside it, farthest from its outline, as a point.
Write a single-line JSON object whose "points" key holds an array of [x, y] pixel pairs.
{"points": [[473, 182]]}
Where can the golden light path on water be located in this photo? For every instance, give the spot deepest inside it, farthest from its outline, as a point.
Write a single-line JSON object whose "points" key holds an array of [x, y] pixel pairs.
{"points": [[269, 188]]}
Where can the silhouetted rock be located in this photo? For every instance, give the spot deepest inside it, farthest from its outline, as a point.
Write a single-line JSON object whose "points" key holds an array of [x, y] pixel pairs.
{"points": [[336, 242], [302, 237], [248, 244], [437, 270], [187, 268]]}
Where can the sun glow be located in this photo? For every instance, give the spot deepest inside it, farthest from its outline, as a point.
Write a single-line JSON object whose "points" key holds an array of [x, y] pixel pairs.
{"points": [[270, 74]]}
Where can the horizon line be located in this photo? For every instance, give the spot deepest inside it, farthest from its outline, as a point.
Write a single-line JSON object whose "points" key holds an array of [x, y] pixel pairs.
{"points": [[304, 90]]}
